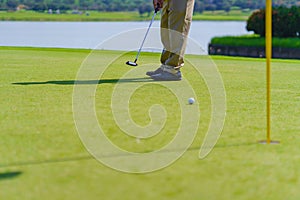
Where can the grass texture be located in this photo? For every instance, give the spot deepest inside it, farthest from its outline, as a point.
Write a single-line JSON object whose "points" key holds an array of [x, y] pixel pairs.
{"points": [[42, 156]]}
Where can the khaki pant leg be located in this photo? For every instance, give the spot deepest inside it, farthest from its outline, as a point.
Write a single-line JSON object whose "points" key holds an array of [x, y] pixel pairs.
{"points": [[164, 25], [175, 30]]}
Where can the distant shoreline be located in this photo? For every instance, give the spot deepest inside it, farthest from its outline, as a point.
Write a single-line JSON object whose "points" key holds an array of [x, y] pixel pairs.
{"points": [[115, 16]]}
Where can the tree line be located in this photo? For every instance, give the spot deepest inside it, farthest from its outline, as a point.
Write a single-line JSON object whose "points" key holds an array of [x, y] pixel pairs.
{"points": [[143, 6]]}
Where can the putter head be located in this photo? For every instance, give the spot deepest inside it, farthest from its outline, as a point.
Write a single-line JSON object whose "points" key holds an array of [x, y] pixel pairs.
{"points": [[134, 64]]}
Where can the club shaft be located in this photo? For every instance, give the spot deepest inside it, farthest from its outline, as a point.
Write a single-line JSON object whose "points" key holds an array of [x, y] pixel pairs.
{"points": [[138, 54]]}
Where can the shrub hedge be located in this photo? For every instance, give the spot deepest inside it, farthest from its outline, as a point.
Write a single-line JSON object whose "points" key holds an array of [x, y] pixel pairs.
{"points": [[286, 22], [255, 41]]}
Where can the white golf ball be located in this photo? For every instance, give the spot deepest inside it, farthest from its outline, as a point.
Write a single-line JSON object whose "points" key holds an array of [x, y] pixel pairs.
{"points": [[191, 100]]}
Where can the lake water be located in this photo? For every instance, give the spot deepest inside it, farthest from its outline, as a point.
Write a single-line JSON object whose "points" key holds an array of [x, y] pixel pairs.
{"points": [[90, 34]]}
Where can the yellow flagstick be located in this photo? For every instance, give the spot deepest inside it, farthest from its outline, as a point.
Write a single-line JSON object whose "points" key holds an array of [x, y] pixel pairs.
{"points": [[268, 60]]}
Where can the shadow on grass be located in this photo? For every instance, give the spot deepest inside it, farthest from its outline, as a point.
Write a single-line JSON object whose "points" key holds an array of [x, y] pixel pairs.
{"points": [[50, 161], [86, 82], [9, 175], [90, 157]]}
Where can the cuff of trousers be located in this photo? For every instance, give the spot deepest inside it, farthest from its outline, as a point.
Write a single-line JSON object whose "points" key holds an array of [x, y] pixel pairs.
{"points": [[171, 69]]}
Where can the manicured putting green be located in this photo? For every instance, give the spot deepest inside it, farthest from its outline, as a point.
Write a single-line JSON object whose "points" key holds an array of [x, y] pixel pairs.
{"points": [[42, 156]]}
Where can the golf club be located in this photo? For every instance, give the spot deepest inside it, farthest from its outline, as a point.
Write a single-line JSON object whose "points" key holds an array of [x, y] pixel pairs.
{"points": [[134, 63]]}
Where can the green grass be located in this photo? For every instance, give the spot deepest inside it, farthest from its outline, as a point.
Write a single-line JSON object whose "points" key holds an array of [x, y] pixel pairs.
{"points": [[113, 16], [234, 15], [255, 41], [42, 156], [93, 16]]}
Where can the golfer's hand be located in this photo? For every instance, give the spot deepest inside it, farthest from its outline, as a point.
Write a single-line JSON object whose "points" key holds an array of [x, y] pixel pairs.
{"points": [[158, 4]]}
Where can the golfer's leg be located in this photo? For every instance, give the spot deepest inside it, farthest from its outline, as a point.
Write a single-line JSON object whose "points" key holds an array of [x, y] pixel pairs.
{"points": [[164, 33], [179, 20]]}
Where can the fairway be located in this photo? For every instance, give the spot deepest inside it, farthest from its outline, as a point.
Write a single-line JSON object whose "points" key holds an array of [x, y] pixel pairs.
{"points": [[42, 156]]}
